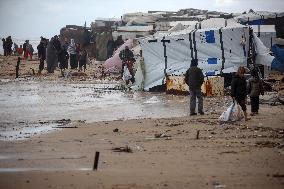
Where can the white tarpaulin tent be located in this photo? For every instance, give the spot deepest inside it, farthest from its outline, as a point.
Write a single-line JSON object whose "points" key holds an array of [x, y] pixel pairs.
{"points": [[215, 49], [266, 33], [219, 22], [258, 15]]}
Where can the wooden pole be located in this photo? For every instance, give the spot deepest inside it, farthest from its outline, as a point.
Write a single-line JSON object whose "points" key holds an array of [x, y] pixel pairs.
{"points": [[96, 161], [197, 134]]}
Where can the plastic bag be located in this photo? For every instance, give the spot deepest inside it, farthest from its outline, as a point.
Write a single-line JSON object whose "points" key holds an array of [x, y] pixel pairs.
{"points": [[126, 74], [233, 113]]}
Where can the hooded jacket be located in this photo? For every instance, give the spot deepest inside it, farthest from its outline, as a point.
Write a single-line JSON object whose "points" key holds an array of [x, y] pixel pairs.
{"points": [[194, 77], [238, 87], [254, 87]]}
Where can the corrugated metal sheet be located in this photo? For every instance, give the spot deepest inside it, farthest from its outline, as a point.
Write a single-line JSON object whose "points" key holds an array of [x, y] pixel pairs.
{"points": [[212, 86], [176, 85]]}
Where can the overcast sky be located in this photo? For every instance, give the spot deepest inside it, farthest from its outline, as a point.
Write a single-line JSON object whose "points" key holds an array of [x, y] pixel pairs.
{"points": [[35, 18]]}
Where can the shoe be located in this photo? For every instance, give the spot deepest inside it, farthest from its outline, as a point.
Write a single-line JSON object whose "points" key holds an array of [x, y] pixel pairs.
{"points": [[248, 118], [201, 113], [252, 114], [193, 114]]}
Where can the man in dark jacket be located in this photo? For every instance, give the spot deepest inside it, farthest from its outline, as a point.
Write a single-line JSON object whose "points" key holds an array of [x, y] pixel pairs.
{"points": [[194, 79], [9, 44], [110, 47], [127, 58], [41, 48]]}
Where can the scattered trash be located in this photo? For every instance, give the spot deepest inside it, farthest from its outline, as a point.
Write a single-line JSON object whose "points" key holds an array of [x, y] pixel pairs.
{"points": [[162, 135], [115, 130], [63, 121], [268, 144], [217, 184], [277, 175], [228, 152], [197, 134], [122, 149]]}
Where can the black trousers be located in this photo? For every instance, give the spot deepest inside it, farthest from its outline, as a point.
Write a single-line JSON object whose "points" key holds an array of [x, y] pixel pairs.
{"points": [[254, 101], [73, 61], [41, 64]]}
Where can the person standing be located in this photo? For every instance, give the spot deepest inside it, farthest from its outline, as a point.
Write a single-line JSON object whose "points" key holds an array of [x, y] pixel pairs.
{"points": [[127, 58], [51, 56], [239, 89], [110, 47], [118, 42], [26, 49], [63, 59], [41, 48], [194, 79], [9, 44], [4, 46], [65, 44], [18, 67], [20, 50], [82, 58], [254, 88], [73, 54]]}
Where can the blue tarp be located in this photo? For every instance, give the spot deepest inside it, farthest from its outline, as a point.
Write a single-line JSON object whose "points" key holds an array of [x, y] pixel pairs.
{"points": [[212, 60], [210, 36], [278, 61]]}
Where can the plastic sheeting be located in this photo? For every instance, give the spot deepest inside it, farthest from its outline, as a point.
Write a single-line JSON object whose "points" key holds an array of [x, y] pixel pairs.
{"points": [[205, 45], [219, 22], [177, 27], [262, 52], [258, 16], [266, 33], [278, 62]]}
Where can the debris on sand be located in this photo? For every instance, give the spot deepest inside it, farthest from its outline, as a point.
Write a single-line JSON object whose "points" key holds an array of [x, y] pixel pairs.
{"points": [[126, 149], [268, 144]]}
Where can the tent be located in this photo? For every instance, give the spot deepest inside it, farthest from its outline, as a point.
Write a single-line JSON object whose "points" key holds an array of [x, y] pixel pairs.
{"points": [[278, 62], [258, 17], [114, 64], [177, 27], [266, 33], [219, 22], [217, 49]]}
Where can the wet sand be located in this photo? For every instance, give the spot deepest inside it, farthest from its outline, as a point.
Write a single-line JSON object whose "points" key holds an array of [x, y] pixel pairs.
{"points": [[162, 153]]}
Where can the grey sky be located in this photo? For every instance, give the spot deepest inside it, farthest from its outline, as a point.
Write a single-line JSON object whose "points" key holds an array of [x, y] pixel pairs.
{"points": [[35, 18]]}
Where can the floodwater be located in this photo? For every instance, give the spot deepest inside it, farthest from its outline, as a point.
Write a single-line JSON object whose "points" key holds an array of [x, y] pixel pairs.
{"points": [[31, 107]]}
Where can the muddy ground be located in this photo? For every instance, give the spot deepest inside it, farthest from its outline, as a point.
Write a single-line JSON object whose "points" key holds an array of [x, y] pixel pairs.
{"points": [[148, 152]]}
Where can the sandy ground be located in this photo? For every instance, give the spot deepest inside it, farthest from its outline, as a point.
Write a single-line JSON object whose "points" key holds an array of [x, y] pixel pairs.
{"points": [[160, 153]]}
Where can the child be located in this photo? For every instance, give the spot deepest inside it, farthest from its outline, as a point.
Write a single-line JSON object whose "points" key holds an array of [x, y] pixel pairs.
{"points": [[255, 88], [18, 66], [239, 91]]}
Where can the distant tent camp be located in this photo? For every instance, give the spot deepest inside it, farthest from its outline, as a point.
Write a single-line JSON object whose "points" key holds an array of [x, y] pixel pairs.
{"points": [[216, 50], [177, 27], [264, 18]]}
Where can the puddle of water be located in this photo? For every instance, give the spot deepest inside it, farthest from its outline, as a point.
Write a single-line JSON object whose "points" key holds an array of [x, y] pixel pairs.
{"points": [[31, 101], [26, 130], [13, 170]]}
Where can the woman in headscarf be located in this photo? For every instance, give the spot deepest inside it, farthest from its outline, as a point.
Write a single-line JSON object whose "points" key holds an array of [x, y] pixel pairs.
{"points": [[51, 56]]}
